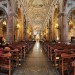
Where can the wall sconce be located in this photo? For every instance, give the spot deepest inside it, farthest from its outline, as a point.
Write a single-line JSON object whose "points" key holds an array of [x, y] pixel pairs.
{"points": [[4, 22], [29, 33], [57, 26], [18, 26]]}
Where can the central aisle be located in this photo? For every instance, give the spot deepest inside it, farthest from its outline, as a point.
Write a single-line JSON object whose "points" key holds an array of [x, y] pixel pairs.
{"points": [[36, 63]]}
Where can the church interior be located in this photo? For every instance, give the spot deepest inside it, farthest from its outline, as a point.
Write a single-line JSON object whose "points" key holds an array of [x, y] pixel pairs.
{"points": [[37, 37]]}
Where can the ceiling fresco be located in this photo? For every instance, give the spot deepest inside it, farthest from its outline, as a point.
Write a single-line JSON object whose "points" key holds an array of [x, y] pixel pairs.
{"points": [[37, 11]]}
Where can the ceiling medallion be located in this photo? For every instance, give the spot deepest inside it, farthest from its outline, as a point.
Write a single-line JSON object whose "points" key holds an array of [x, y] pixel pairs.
{"points": [[38, 3], [38, 6]]}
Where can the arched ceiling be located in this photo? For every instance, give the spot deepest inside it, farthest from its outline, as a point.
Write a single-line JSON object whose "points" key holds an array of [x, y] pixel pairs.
{"points": [[37, 11]]}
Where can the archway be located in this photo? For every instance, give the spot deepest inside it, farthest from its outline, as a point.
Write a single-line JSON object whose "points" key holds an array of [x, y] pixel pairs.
{"points": [[55, 29], [71, 25], [19, 26], [29, 32], [3, 23]]}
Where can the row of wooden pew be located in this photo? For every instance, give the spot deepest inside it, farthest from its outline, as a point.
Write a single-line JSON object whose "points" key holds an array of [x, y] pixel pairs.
{"points": [[62, 56], [13, 55]]}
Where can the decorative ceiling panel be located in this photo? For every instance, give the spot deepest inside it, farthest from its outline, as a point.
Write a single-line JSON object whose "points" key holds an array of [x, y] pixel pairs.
{"points": [[37, 11]]}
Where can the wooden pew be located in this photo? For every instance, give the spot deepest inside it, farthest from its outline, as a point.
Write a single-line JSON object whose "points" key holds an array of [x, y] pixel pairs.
{"points": [[66, 58], [5, 62], [73, 64], [52, 51], [24, 50], [57, 56], [61, 46], [15, 55], [21, 47]]}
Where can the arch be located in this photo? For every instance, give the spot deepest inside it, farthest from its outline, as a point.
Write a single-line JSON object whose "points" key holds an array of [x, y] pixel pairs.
{"points": [[3, 22], [19, 26], [71, 23], [4, 11], [55, 25], [71, 7], [69, 12]]}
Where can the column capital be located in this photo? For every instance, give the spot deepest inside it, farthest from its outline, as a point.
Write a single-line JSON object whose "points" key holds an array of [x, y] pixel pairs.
{"points": [[11, 14], [62, 14], [10, 30]]}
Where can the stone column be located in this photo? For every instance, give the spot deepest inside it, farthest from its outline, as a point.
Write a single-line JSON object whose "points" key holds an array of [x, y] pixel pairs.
{"points": [[10, 29], [50, 31], [25, 29], [24, 32], [65, 25], [26, 35], [63, 28], [48, 35]]}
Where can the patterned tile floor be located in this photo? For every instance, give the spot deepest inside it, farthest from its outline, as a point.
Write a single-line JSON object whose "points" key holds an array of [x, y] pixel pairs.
{"points": [[36, 63]]}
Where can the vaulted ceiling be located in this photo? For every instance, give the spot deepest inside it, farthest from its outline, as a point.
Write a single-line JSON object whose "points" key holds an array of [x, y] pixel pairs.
{"points": [[37, 11]]}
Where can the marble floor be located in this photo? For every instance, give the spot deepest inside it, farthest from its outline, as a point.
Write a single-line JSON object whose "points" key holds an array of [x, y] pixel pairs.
{"points": [[36, 63]]}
